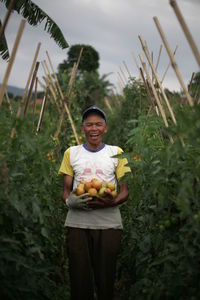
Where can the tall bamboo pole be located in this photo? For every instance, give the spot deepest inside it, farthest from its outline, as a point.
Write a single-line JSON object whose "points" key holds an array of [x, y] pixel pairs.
{"points": [[35, 95], [124, 76], [64, 99], [164, 74], [9, 103], [5, 21], [31, 88], [28, 80], [127, 69], [55, 77], [145, 49], [136, 63], [42, 111], [121, 79], [154, 91], [11, 61], [158, 59], [50, 77], [147, 89], [186, 30], [174, 65]]}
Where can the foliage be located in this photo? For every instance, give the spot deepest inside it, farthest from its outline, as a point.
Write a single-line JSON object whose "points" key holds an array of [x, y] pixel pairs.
{"points": [[160, 257], [32, 255], [35, 15]]}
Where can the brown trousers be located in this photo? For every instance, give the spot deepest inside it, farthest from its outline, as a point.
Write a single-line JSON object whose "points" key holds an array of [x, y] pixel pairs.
{"points": [[92, 262]]}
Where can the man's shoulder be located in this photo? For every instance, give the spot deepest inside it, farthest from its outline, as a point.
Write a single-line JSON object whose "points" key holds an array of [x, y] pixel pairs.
{"points": [[114, 149]]}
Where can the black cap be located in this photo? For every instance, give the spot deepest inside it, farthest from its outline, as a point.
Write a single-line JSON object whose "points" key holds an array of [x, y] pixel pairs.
{"points": [[93, 109]]}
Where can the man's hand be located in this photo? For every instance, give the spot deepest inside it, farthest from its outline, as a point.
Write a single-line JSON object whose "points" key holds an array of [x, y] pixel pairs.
{"points": [[102, 202], [78, 202]]}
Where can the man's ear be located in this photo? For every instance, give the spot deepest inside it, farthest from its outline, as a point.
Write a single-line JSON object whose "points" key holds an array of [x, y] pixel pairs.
{"points": [[106, 129]]}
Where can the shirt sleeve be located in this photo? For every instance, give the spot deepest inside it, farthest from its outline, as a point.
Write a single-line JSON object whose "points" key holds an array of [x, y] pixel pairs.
{"points": [[121, 168], [66, 167]]}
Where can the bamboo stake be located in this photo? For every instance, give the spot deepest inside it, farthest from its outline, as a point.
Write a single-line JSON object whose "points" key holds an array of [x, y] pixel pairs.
{"points": [[185, 30], [147, 88], [155, 96], [145, 49], [127, 69], [136, 65], [9, 103], [120, 86], [48, 84], [190, 84], [168, 66], [154, 91], [121, 79], [116, 97], [55, 77], [42, 111], [70, 84], [49, 81], [174, 65], [108, 104], [28, 81], [5, 21], [35, 94], [11, 61], [31, 88], [50, 77], [158, 59], [124, 76]]}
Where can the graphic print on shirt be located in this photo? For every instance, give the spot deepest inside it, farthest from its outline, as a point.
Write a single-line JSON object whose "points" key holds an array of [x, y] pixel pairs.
{"points": [[91, 170]]}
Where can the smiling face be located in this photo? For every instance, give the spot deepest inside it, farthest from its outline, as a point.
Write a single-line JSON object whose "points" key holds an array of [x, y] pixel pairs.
{"points": [[94, 127]]}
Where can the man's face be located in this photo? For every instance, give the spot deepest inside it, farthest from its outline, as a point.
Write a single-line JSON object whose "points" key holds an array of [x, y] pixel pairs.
{"points": [[94, 127]]}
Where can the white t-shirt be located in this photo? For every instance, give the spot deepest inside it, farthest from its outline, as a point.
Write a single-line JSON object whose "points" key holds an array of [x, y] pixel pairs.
{"points": [[84, 164]]}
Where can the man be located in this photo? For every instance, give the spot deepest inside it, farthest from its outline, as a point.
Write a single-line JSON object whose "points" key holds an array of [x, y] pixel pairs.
{"points": [[93, 223]]}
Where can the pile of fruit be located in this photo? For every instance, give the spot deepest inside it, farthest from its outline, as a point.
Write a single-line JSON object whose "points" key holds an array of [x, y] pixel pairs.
{"points": [[96, 187]]}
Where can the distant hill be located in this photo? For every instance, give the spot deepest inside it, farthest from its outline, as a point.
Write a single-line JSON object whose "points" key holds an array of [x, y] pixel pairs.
{"points": [[14, 90]]}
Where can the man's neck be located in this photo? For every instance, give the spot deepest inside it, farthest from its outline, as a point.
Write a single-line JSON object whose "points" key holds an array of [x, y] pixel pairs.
{"points": [[94, 147]]}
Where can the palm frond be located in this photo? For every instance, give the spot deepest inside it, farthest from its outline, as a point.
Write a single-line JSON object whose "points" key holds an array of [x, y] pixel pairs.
{"points": [[35, 15], [4, 52]]}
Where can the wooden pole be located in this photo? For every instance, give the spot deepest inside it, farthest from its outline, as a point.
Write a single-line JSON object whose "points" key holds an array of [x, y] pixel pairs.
{"points": [[185, 30], [135, 60], [173, 62], [48, 84], [5, 21], [35, 95], [154, 91], [28, 81], [108, 104], [9, 103], [147, 88], [11, 61], [31, 88], [155, 95], [50, 77], [121, 79], [190, 84], [70, 84], [168, 66], [55, 77], [127, 69], [158, 59], [42, 111], [145, 49], [124, 76]]}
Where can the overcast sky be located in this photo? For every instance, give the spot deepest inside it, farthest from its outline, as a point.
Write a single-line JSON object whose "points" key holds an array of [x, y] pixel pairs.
{"points": [[112, 28]]}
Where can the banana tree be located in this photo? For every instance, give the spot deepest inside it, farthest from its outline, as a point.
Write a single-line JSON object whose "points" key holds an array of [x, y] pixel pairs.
{"points": [[34, 16]]}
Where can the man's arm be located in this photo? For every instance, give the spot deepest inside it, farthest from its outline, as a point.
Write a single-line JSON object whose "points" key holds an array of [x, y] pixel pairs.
{"points": [[67, 186]]}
